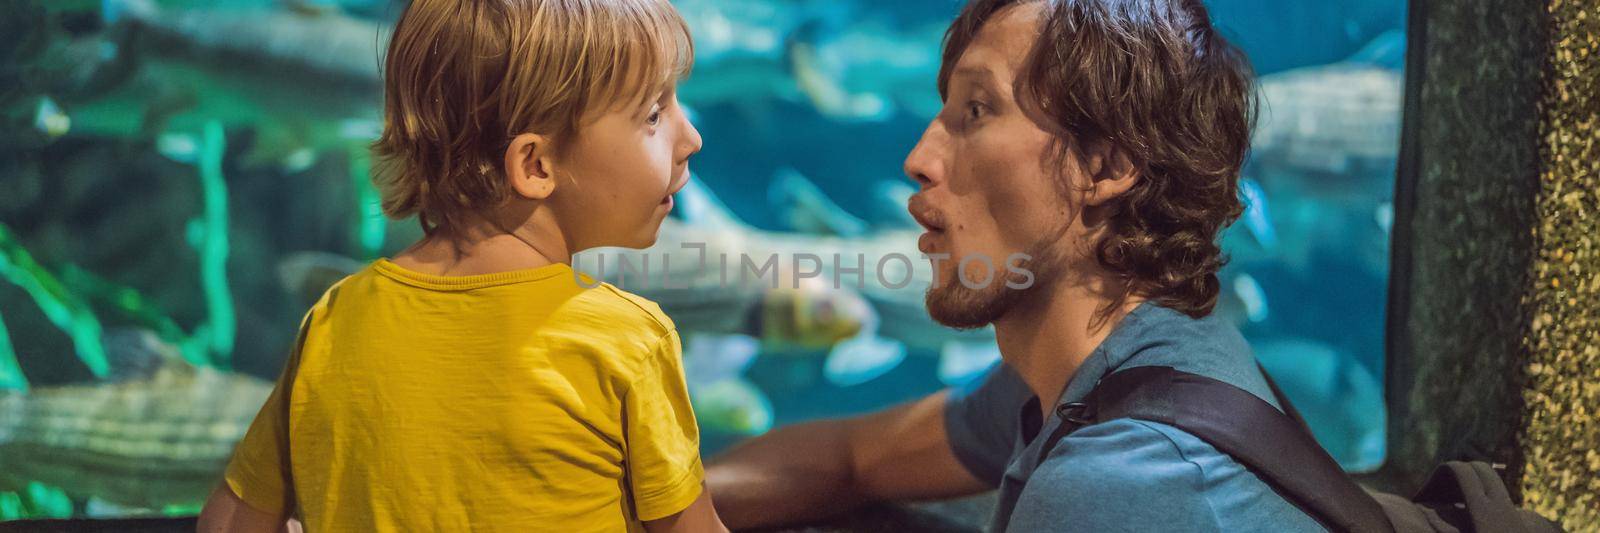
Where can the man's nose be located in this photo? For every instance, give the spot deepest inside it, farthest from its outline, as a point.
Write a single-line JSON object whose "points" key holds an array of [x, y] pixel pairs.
{"points": [[925, 163]]}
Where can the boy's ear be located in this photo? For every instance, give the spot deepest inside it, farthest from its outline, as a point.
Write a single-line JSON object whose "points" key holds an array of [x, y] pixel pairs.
{"points": [[1111, 173], [529, 166]]}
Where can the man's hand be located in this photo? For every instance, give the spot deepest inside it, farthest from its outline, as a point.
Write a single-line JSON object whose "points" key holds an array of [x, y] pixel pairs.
{"points": [[813, 470]]}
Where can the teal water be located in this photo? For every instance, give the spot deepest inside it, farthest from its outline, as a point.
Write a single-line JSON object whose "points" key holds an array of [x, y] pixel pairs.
{"points": [[178, 194]]}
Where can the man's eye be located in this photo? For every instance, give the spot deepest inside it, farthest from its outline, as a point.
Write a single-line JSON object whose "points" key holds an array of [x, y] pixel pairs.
{"points": [[975, 110]]}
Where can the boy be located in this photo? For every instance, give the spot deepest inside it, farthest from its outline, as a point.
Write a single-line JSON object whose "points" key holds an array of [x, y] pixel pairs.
{"points": [[473, 382]]}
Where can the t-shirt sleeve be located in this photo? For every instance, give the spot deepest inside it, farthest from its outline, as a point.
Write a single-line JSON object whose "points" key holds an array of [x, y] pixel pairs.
{"points": [[980, 421], [259, 471], [1121, 475], [662, 440]]}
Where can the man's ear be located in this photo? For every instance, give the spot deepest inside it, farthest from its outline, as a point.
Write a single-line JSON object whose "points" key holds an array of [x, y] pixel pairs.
{"points": [[530, 166], [1111, 173]]}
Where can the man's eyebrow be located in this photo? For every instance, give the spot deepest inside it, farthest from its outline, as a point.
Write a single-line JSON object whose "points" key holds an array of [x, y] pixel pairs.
{"points": [[981, 74]]}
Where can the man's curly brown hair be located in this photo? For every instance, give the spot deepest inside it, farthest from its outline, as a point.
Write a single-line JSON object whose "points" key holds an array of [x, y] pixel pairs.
{"points": [[1155, 80]]}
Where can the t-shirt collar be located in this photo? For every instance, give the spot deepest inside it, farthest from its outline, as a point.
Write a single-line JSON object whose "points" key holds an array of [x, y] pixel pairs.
{"points": [[1129, 336]]}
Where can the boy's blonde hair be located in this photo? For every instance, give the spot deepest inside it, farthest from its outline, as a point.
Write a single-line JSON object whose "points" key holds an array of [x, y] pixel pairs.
{"points": [[463, 77]]}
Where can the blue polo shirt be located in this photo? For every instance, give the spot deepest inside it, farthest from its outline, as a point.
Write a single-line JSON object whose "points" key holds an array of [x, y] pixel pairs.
{"points": [[1121, 475]]}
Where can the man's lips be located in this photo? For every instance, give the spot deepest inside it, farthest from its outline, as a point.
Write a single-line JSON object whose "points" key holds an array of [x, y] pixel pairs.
{"points": [[930, 218], [929, 241]]}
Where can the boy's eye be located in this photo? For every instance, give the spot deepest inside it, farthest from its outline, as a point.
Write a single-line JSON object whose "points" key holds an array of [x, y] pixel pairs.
{"points": [[654, 118]]}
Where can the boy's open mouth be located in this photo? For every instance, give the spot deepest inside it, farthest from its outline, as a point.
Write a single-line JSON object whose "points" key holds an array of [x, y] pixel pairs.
{"points": [[676, 186]]}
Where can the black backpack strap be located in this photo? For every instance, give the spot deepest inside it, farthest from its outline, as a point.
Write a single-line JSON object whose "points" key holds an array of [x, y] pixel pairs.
{"points": [[1266, 441]]}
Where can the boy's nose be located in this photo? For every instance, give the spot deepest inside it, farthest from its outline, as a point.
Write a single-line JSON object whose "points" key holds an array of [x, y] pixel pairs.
{"points": [[691, 142]]}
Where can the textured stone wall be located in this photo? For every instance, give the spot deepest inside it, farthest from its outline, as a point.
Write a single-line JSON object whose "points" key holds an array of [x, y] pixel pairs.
{"points": [[1561, 440], [1463, 248]]}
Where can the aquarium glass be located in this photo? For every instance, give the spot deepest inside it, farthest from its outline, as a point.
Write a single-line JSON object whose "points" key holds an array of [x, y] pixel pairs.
{"points": [[181, 179]]}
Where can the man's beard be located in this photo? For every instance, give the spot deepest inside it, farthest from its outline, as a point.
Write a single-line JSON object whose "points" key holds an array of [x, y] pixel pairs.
{"points": [[958, 306]]}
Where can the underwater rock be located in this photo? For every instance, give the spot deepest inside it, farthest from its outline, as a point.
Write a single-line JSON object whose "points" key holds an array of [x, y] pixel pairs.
{"points": [[149, 442], [136, 354]]}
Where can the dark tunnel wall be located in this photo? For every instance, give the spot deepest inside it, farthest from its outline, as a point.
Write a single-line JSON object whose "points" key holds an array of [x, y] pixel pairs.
{"points": [[1496, 287], [1462, 246]]}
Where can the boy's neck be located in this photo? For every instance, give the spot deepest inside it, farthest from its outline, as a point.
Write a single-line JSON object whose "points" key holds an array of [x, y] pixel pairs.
{"points": [[480, 246]]}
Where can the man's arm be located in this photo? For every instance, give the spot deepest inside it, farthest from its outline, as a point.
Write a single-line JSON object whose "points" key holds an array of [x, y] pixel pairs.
{"points": [[812, 470]]}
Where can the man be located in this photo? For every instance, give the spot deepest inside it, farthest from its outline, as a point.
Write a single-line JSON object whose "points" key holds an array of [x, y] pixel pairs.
{"points": [[1102, 138]]}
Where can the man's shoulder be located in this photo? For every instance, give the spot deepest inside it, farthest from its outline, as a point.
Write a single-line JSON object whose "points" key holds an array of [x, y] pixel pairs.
{"points": [[1124, 456], [1135, 472], [1208, 346]]}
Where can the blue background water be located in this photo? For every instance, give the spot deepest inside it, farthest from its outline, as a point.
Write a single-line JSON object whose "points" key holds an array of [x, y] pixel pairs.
{"points": [[1333, 300], [114, 197]]}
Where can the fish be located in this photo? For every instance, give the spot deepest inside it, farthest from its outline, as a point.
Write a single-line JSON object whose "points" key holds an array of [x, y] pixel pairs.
{"points": [[1339, 399], [306, 275], [156, 435], [1341, 119], [723, 399], [892, 198], [1252, 296], [862, 359], [50, 120], [740, 53], [696, 281], [893, 319], [802, 206], [729, 31], [785, 316], [247, 67], [810, 211], [737, 407], [369, 8], [324, 41], [1387, 50], [807, 209], [1323, 153], [844, 62], [1256, 218], [869, 71]]}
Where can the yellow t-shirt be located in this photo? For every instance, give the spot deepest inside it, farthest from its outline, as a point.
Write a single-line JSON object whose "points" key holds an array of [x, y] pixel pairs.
{"points": [[518, 401]]}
